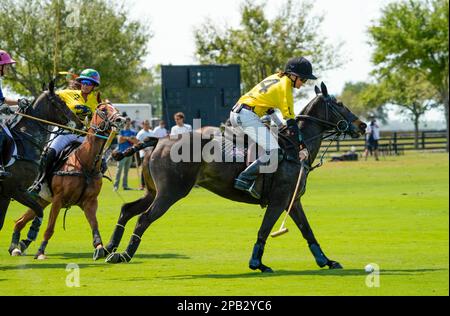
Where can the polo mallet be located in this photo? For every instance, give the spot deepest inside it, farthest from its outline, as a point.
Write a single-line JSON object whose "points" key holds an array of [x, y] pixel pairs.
{"points": [[283, 230]]}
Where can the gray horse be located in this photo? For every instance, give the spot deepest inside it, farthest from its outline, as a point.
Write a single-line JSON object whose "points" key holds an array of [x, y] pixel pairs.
{"points": [[31, 136], [168, 181]]}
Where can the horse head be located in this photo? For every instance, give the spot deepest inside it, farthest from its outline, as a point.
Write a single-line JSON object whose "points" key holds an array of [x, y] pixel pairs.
{"points": [[50, 107], [107, 119], [332, 114]]}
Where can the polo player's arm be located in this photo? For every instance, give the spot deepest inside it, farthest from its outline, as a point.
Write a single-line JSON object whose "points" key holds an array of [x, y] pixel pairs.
{"points": [[287, 102], [274, 117], [10, 102]]}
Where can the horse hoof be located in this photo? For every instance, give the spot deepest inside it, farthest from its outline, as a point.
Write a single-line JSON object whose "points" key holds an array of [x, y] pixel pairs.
{"points": [[333, 265], [266, 270], [99, 253], [16, 252], [41, 257]]}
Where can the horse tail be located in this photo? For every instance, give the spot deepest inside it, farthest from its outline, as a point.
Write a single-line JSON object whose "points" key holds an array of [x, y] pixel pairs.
{"points": [[64, 219]]}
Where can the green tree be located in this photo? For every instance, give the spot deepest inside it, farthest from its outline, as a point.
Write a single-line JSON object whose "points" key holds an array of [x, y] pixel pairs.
{"points": [[365, 99], [412, 93], [262, 46], [413, 35], [50, 36]]}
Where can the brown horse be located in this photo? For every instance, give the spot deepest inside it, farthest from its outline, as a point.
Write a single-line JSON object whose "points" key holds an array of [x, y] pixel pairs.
{"points": [[77, 182]]}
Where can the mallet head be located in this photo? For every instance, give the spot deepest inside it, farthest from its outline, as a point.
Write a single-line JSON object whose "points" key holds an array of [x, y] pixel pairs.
{"points": [[280, 232]]}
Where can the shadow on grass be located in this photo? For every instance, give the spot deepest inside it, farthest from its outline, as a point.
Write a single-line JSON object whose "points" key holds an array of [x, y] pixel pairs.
{"points": [[88, 255], [323, 273], [39, 265]]}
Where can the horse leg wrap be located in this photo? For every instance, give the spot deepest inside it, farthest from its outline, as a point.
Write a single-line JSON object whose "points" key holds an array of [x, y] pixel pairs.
{"points": [[15, 238], [97, 238], [318, 254], [14, 242], [34, 229], [116, 238], [43, 246], [255, 260], [133, 245]]}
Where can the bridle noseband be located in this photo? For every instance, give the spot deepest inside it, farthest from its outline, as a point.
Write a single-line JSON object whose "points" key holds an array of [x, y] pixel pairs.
{"points": [[343, 126]]}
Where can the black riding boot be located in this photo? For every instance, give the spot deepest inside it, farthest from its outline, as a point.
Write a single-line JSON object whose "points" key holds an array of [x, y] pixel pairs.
{"points": [[246, 180], [47, 160], [3, 173]]}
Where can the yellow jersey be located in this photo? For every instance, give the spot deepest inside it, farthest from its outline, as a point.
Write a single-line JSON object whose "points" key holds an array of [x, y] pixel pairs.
{"points": [[76, 103], [272, 92]]}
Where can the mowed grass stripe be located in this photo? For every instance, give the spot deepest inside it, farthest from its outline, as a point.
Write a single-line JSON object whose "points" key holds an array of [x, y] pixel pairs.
{"points": [[393, 212]]}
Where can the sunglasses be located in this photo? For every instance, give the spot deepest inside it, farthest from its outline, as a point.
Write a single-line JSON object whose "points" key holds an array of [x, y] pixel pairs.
{"points": [[303, 80], [87, 83]]}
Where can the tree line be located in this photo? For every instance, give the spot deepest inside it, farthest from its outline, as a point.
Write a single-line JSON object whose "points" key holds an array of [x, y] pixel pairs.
{"points": [[409, 42]]}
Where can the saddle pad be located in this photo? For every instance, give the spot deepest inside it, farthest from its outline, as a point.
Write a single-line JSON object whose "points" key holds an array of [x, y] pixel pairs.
{"points": [[12, 160]]}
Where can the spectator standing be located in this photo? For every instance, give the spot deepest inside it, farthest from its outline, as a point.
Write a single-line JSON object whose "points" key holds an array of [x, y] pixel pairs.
{"points": [[161, 130], [372, 138], [126, 139], [180, 126]]}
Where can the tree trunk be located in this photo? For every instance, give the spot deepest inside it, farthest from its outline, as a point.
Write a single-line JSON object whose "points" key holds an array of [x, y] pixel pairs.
{"points": [[416, 131], [446, 115]]}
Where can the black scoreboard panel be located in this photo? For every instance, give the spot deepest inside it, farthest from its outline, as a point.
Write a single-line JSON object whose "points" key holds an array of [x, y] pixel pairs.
{"points": [[207, 92]]}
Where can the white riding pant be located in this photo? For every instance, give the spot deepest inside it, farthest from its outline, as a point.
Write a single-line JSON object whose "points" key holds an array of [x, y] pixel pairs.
{"points": [[62, 141], [249, 123]]}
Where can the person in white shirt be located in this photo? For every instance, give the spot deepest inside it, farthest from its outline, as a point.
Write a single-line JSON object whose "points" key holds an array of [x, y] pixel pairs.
{"points": [[180, 128], [161, 130], [372, 138], [141, 136]]}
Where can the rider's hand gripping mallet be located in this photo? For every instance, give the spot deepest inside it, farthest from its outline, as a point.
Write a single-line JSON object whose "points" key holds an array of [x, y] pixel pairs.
{"points": [[283, 230]]}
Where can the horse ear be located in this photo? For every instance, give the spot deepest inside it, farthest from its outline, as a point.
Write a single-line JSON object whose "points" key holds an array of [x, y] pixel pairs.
{"points": [[324, 89], [316, 88], [51, 86], [44, 86], [99, 98]]}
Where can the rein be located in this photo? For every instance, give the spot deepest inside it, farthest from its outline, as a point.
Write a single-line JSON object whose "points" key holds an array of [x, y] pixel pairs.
{"points": [[336, 129]]}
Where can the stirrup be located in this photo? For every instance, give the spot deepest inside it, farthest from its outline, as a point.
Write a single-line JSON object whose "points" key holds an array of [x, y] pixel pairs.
{"points": [[5, 174], [247, 186], [35, 188]]}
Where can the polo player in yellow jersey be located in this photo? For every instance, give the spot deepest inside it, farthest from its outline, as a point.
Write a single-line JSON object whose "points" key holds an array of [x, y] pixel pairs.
{"points": [[83, 103], [274, 92]]}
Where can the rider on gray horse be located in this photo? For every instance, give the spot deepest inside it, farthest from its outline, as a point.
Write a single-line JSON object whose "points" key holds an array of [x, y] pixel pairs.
{"points": [[276, 91]]}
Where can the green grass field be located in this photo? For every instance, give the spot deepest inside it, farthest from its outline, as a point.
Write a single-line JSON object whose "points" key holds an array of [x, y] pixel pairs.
{"points": [[394, 213]]}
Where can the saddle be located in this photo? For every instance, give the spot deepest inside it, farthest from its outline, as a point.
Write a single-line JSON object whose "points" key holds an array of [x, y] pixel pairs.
{"points": [[9, 148], [248, 152], [64, 155]]}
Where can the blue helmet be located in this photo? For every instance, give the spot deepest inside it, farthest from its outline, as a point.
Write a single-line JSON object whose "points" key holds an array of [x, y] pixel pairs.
{"points": [[91, 75]]}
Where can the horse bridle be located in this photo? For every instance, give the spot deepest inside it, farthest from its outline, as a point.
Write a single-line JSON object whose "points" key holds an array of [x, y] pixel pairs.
{"points": [[108, 122], [343, 126]]}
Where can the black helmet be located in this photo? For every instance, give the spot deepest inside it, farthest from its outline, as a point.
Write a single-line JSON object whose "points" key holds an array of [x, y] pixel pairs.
{"points": [[300, 67]]}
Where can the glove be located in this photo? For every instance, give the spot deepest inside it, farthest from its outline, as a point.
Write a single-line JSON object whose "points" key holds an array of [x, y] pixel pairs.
{"points": [[4, 109], [23, 103], [293, 131], [303, 154]]}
